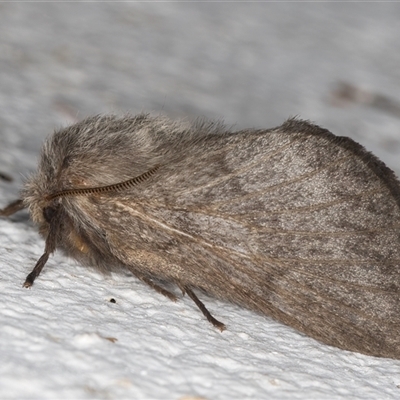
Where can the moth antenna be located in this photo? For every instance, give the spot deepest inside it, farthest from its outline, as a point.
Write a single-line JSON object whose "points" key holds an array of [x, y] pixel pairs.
{"points": [[204, 310], [116, 187], [12, 208]]}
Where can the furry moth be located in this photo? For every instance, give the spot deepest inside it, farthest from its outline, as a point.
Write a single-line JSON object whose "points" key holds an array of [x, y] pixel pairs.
{"points": [[292, 222]]}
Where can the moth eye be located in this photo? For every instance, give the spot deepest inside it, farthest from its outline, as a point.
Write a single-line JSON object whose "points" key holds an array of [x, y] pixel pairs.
{"points": [[66, 162], [48, 213]]}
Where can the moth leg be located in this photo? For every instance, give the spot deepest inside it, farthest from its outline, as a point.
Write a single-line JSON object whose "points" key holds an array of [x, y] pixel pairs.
{"points": [[12, 208], [158, 288], [53, 215], [204, 310], [36, 271]]}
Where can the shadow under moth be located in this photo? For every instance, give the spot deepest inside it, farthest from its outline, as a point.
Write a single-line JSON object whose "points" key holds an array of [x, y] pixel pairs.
{"points": [[292, 222]]}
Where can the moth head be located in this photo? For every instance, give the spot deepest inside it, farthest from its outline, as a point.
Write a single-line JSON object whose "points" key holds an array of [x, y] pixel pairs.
{"points": [[35, 199], [42, 203]]}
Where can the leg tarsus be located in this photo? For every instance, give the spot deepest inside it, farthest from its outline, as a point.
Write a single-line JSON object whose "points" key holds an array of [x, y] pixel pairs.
{"points": [[36, 271], [204, 310]]}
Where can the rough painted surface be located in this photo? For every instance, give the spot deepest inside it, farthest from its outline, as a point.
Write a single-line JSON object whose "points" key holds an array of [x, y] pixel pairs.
{"points": [[253, 64]]}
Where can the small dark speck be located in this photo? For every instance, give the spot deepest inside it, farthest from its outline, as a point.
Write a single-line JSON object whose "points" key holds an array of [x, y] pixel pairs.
{"points": [[111, 339], [113, 301]]}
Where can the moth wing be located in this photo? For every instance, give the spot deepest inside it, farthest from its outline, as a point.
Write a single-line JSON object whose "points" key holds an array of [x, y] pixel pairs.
{"points": [[294, 222]]}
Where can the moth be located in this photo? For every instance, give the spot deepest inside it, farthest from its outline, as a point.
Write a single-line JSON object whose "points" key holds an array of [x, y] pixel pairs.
{"points": [[292, 222]]}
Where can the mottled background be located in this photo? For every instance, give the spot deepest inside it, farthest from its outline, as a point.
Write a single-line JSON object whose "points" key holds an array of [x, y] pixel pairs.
{"points": [[251, 64]]}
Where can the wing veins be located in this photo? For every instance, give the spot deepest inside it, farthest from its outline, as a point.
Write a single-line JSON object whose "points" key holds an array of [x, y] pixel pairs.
{"points": [[237, 172], [281, 184], [177, 232], [207, 211]]}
